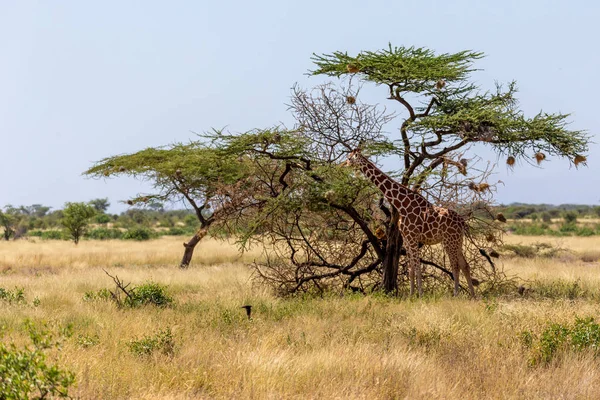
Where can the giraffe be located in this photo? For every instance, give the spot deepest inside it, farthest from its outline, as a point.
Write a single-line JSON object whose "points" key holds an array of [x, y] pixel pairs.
{"points": [[420, 222]]}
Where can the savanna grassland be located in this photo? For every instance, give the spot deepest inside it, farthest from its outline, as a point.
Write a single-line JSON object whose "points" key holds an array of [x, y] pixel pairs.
{"points": [[336, 346]]}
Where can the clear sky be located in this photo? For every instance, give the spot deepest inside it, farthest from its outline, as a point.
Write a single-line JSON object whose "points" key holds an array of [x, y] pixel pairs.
{"points": [[83, 80]]}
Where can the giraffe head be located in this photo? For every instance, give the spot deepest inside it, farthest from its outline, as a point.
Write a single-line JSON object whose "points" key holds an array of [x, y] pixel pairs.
{"points": [[353, 158]]}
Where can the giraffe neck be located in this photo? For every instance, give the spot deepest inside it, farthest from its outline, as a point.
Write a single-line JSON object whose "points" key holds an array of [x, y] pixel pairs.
{"points": [[393, 191]]}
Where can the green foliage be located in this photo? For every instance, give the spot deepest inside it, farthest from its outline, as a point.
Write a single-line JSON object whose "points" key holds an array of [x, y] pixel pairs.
{"points": [[104, 234], [150, 293], [103, 219], [26, 374], [161, 341], [564, 229], [99, 295], [139, 233], [582, 335], [17, 295], [75, 219], [460, 108], [100, 205], [53, 235], [178, 231], [570, 217], [546, 217], [192, 172], [417, 69]]}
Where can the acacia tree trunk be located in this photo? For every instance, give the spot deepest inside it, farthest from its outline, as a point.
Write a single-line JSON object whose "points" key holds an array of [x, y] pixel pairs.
{"points": [[392, 255], [191, 245]]}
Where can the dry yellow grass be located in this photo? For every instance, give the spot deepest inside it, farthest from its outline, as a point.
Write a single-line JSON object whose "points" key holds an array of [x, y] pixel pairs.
{"points": [[336, 347]]}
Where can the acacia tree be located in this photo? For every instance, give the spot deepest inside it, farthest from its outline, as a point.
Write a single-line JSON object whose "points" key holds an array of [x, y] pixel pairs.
{"points": [[323, 225], [75, 219], [444, 113], [8, 222], [191, 173]]}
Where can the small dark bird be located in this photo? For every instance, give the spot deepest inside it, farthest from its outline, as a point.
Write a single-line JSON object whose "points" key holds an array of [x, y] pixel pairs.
{"points": [[500, 217], [248, 311]]}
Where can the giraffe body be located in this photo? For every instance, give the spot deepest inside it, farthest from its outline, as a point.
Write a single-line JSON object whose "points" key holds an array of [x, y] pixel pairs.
{"points": [[420, 223]]}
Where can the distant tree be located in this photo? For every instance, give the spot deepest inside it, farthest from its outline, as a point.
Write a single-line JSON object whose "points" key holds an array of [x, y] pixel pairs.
{"points": [[101, 205], [546, 217], [103, 218], [534, 217], [76, 217], [9, 221], [570, 217]]}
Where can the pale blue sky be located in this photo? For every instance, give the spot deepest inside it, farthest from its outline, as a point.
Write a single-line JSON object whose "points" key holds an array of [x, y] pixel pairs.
{"points": [[82, 80]]}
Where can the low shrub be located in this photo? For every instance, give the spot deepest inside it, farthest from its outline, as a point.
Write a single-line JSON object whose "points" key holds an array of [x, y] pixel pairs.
{"points": [[26, 374], [583, 334], [17, 295], [102, 295], [150, 293], [53, 235], [178, 231], [104, 234], [162, 341], [139, 233]]}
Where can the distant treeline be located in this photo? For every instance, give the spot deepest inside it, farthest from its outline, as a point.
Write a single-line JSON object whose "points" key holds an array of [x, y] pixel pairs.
{"points": [[135, 223], [548, 211], [154, 220]]}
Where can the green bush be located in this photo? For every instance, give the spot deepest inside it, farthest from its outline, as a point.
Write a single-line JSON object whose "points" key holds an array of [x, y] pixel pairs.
{"points": [[546, 217], [53, 235], [102, 295], [161, 341], [12, 296], [103, 219], [25, 373], [178, 231], [583, 334], [35, 233], [570, 217], [150, 293], [585, 231], [104, 234], [139, 233], [568, 227]]}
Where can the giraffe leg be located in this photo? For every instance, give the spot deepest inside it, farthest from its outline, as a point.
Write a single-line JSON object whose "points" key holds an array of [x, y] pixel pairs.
{"points": [[464, 266], [412, 255], [454, 263]]}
